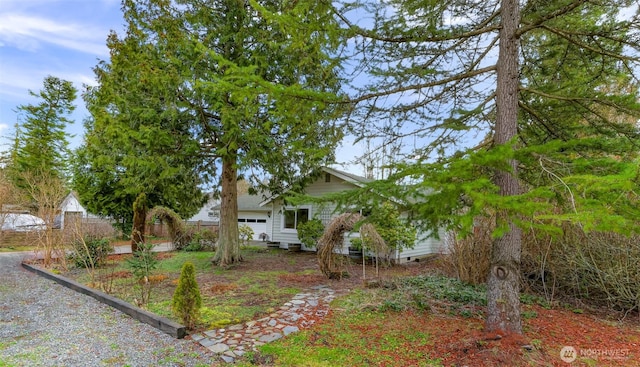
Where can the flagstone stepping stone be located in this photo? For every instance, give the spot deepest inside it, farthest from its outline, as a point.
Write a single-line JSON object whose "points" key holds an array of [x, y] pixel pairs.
{"points": [[299, 313]]}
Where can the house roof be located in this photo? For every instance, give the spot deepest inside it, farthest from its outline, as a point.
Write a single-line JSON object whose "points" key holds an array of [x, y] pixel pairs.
{"points": [[248, 202], [348, 177], [68, 197]]}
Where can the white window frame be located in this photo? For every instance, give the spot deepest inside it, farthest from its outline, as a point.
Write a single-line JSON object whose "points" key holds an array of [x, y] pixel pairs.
{"points": [[292, 208]]}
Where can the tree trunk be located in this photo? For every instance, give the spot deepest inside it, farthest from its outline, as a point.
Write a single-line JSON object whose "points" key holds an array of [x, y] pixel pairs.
{"points": [[228, 251], [139, 221], [503, 309]]}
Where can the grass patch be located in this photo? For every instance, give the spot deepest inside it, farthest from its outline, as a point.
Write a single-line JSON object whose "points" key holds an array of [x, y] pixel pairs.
{"points": [[5, 345], [230, 295], [373, 327], [200, 260], [354, 339], [420, 294]]}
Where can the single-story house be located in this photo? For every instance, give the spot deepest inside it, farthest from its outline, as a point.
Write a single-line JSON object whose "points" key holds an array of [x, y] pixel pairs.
{"points": [[209, 213], [284, 218], [252, 214]]}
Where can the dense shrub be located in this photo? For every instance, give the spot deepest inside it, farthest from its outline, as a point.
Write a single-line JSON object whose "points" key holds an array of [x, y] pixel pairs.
{"points": [[469, 257], [309, 232], [599, 268], [186, 298], [596, 268], [203, 240], [396, 232], [90, 251]]}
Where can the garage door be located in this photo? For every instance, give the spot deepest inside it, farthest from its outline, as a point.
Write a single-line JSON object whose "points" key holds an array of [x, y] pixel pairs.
{"points": [[258, 226]]}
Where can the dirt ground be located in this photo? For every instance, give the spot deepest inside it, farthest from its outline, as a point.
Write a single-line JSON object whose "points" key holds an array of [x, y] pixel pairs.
{"points": [[557, 336]]}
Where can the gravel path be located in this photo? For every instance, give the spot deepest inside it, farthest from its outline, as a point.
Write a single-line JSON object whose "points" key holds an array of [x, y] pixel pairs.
{"points": [[45, 324]]}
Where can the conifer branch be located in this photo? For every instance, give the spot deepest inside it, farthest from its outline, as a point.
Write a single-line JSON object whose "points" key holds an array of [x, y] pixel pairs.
{"points": [[572, 199], [567, 36], [444, 81], [559, 12], [480, 29]]}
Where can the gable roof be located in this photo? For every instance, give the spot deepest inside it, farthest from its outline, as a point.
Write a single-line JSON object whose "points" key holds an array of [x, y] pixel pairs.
{"points": [[72, 195], [348, 177], [249, 202]]}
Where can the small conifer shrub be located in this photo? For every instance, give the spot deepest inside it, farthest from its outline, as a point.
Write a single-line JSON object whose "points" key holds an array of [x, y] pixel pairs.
{"points": [[186, 299]]}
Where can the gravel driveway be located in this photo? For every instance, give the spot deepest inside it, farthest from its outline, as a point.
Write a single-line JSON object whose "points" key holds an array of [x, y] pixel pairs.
{"points": [[45, 324]]}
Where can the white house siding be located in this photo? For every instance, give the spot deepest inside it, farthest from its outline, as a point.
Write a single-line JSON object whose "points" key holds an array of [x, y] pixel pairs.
{"points": [[284, 238], [207, 213], [71, 204], [318, 188], [71, 208], [425, 245]]}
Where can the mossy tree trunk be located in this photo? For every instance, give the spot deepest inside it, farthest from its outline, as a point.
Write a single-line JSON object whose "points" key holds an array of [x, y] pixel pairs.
{"points": [[139, 221]]}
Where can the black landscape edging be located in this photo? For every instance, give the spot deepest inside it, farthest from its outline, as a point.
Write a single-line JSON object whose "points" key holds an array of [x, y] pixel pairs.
{"points": [[162, 323]]}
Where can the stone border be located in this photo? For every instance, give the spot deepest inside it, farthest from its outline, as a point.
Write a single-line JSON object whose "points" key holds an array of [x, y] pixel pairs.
{"points": [[162, 323]]}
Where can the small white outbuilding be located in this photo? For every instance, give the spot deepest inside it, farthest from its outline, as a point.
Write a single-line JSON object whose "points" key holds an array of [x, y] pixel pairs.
{"points": [[22, 222]]}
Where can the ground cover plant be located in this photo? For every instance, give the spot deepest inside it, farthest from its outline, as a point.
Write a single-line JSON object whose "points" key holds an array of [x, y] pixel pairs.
{"points": [[438, 321], [413, 316], [257, 286]]}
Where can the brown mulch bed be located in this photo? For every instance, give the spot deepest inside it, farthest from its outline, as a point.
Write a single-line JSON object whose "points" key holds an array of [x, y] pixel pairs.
{"points": [[598, 337]]}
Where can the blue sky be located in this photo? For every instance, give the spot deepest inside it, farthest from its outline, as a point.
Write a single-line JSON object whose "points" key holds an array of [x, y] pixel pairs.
{"points": [[63, 38]]}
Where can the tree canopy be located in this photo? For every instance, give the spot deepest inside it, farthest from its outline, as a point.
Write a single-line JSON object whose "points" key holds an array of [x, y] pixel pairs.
{"points": [[133, 143], [41, 141], [226, 87], [526, 111]]}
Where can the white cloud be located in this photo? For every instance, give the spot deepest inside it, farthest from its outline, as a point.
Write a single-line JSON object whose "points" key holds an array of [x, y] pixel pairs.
{"points": [[28, 32]]}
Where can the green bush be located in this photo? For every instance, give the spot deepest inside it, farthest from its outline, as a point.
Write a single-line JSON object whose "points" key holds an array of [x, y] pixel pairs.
{"points": [[309, 232], [90, 252], [186, 298], [202, 240], [246, 234], [397, 233], [449, 289], [143, 262]]}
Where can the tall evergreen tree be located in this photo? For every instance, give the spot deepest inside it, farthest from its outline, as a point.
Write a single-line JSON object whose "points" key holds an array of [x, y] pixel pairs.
{"points": [[134, 144], [491, 95], [41, 142], [230, 74]]}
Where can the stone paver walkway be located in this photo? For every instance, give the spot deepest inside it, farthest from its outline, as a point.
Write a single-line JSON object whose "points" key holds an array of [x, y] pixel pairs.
{"points": [[299, 313]]}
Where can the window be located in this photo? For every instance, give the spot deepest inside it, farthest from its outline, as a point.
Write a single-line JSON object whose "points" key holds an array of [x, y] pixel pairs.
{"points": [[292, 217]]}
